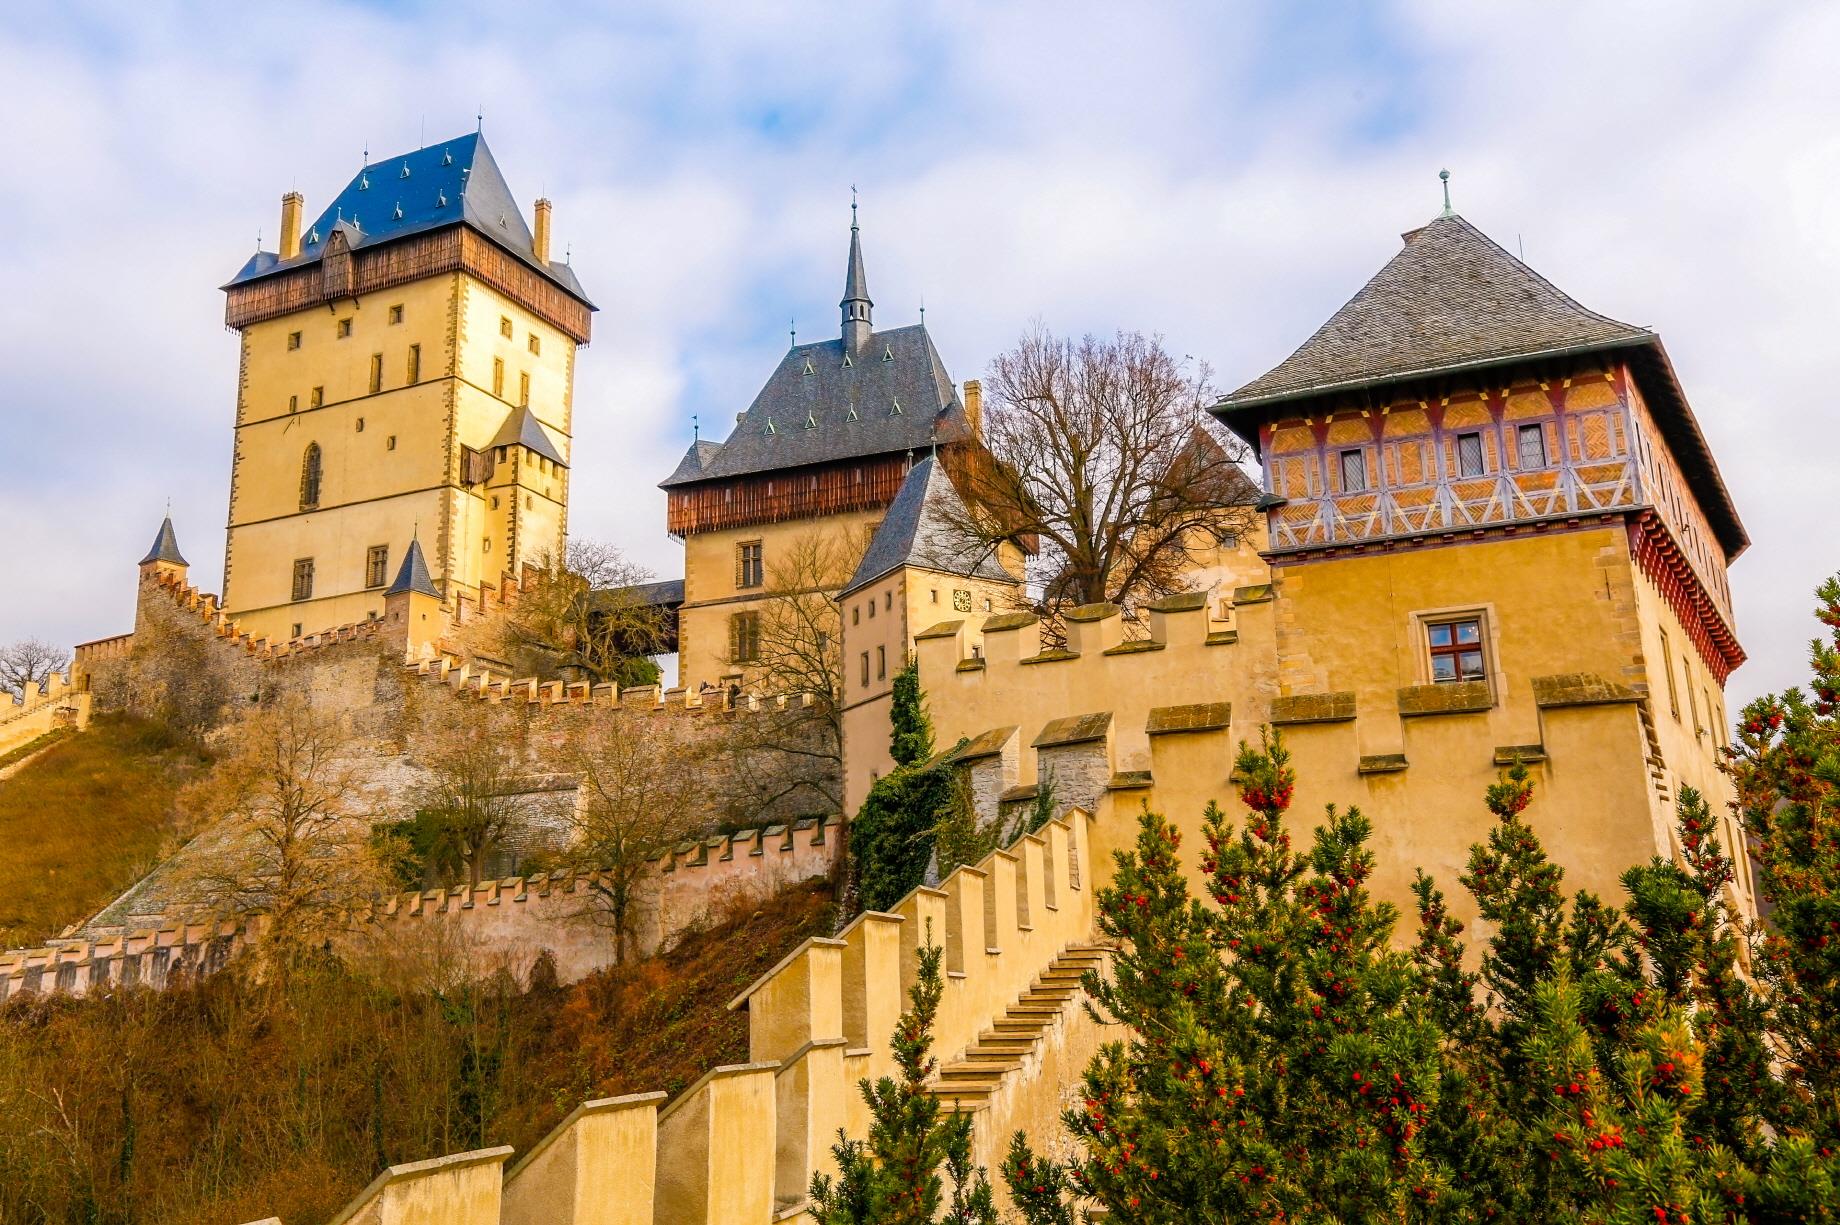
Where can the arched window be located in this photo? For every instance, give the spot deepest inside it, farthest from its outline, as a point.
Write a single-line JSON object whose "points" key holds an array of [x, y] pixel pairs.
{"points": [[309, 478]]}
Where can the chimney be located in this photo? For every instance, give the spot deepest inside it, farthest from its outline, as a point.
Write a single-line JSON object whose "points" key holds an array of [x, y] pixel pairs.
{"points": [[974, 407], [290, 224], [539, 245]]}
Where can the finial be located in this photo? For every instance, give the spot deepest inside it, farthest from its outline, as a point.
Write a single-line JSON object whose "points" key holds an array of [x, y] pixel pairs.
{"points": [[695, 432], [852, 206], [479, 119], [1445, 176], [568, 253], [258, 240], [922, 310], [415, 532], [793, 327], [367, 153]]}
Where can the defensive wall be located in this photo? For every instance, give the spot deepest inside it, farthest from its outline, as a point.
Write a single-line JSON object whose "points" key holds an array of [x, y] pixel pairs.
{"points": [[53, 703], [1118, 723], [501, 923], [739, 1146]]}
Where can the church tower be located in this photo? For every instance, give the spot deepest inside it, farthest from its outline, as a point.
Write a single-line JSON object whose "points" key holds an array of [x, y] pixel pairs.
{"points": [[407, 372]]}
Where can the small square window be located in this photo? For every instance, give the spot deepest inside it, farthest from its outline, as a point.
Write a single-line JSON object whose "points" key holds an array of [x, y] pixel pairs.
{"points": [[293, 404], [294, 630], [1469, 455], [344, 327], [396, 314], [871, 610], [389, 444], [887, 599], [316, 397], [856, 615], [1354, 471], [293, 340], [1456, 650], [1532, 441], [536, 343], [360, 425], [504, 326]]}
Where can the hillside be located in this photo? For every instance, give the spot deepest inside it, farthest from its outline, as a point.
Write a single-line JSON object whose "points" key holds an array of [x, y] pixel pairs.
{"points": [[218, 1103], [85, 820]]}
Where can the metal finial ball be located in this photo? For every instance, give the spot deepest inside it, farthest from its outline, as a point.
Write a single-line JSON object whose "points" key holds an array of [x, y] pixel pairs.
{"points": [[1444, 175]]}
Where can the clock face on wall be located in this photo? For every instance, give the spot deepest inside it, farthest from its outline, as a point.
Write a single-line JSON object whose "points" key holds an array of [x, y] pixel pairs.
{"points": [[961, 601]]}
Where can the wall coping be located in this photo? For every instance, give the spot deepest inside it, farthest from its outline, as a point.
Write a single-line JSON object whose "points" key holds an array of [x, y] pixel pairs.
{"points": [[1580, 689], [1335, 707], [600, 1105], [1100, 611], [1181, 601], [1010, 621], [1194, 717], [1074, 729], [1448, 698], [726, 1072], [804, 946], [942, 629], [397, 1173]]}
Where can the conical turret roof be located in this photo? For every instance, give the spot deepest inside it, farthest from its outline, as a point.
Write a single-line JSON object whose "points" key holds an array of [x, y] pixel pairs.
{"points": [[413, 576], [165, 546]]}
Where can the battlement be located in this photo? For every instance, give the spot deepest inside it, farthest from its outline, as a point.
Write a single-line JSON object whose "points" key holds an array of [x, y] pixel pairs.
{"points": [[55, 702], [511, 920], [739, 1147]]}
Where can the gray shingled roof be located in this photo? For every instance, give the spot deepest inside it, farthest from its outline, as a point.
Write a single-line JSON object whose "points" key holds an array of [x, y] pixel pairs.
{"points": [[1454, 300], [447, 183], [691, 466], [522, 429], [1450, 299], [165, 546], [412, 575], [822, 410], [920, 530]]}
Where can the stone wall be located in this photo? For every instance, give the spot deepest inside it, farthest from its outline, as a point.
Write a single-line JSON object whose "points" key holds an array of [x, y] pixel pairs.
{"points": [[54, 704]]}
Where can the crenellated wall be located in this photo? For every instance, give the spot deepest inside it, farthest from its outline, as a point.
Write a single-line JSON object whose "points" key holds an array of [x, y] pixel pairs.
{"points": [[56, 702], [504, 923]]}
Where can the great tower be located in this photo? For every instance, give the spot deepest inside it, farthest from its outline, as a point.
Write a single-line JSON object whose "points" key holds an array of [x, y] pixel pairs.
{"points": [[407, 374]]}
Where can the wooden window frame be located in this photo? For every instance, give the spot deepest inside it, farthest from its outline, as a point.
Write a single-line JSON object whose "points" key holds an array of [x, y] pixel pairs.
{"points": [[303, 580], [1482, 456], [1522, 433], [1421, 623], [750, 566], [312, 476], [744, 637], [1358, 454], [377, 566]]}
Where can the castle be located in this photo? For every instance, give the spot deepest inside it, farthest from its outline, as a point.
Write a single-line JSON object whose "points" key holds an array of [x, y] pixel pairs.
{"points": [[1490, 531]]}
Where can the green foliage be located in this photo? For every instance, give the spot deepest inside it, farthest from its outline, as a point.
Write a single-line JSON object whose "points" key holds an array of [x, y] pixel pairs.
{"points": [[911, 740], [893, 1177], [893, 837]]}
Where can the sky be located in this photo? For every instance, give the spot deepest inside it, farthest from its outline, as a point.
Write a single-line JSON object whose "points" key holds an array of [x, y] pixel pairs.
{"points": [[1223, 175]]}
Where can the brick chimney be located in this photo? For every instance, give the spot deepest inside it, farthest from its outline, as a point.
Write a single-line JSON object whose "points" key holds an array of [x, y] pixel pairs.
{"points": [[539, 243], [974, 406], [290, 224]]}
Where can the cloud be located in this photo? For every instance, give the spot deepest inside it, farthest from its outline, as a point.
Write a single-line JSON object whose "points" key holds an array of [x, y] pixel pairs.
{"points": [[1223, 175]]}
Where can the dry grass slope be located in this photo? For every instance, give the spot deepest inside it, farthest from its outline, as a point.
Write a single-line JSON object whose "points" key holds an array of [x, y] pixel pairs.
{"points": [[85, 820]]}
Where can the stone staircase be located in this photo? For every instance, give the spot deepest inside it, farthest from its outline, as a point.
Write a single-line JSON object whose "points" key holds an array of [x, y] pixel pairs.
{"points": [[1006, 1047]]}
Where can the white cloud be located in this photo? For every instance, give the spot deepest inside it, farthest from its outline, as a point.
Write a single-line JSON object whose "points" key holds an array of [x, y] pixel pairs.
{"points": [[1225, 175]]}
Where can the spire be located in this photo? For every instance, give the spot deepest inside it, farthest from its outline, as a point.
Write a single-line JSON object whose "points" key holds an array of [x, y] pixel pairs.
{"points": [[856, 304], [413, 576], [165, 547]]}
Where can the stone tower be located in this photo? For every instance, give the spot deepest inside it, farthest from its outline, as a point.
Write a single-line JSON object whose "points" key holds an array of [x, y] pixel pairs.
{"points": [[407, 365]]}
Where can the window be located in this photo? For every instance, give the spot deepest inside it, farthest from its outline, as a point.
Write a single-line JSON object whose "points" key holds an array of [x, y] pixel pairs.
{"points": [[536, 343], [303, 579], [887, 599], [293, 341], [389, 444], [294, 631], [309, 479], [1686, 672], [377, 565], [1532, 442], [881, 663], [1667, 666], [485, 546], [871, 610], [316, 397], [376, 373], [524, 389], [1469, 455], [396, 314], [504, 326], [1456, 650], [293, 404], [934, 593], [344, 327], [865, 668], [498, 377], [1354, 471], [360, 425], [415, 364], [748, 568], [744, 637], [856, 615]]}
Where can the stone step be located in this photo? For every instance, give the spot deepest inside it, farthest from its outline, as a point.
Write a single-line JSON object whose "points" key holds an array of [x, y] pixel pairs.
{"points": [[977, 1070]]}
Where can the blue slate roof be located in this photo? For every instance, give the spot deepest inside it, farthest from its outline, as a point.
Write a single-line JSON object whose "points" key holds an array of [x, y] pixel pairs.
{"points": [[165, 546], [921, 529], [453, 182], [413, 575]]}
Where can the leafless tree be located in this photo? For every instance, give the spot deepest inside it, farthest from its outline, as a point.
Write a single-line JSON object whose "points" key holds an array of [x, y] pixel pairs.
{"points": [[292, 842], [583, 613], [1102, 452], [795, 650], [634, 803], [473, 798], [26, 663]]}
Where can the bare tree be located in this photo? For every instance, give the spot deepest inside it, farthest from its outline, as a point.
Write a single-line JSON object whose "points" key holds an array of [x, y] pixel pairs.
{"points": [[634, 803], [25, 664], [473, 799], [293, 843], [586, 612], [1101, 451], [794, 648]]}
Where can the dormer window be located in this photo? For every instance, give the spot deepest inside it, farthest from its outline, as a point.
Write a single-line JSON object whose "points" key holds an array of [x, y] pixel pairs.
{"points": [[811, 421], [447, 157], [808, 369], [887, 353], [405, 171]]}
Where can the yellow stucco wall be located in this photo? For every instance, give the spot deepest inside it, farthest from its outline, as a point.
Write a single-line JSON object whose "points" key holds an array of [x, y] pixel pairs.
{"points": [[390, 460]]}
